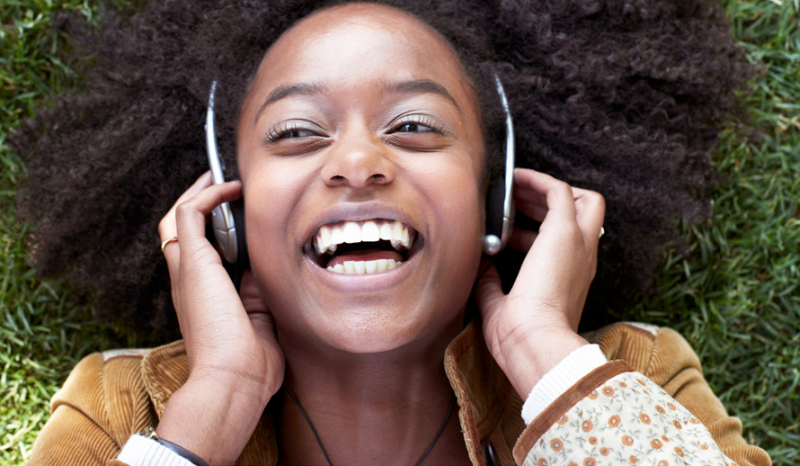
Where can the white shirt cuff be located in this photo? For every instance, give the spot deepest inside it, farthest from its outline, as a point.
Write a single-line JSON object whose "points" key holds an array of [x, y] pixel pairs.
{"points": [[559, 379], [141, 451]]}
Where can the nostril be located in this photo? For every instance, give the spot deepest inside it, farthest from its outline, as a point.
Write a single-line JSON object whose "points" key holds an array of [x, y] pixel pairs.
{"points": [[378, 177]]}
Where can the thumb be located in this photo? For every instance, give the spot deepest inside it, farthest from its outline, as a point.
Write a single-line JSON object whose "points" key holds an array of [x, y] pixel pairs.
{"points": [[489, 291], [264, 326]]}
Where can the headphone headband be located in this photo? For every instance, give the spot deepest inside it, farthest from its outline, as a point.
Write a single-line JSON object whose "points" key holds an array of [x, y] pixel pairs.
{"points": [[495, 241]]}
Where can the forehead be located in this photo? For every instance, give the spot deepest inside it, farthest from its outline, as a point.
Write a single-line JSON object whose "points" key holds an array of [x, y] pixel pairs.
{"points": [[342, 43]]}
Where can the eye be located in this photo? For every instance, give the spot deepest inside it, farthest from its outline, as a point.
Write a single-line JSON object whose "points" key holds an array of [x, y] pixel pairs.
{"points": [[291, 130], [413, 128], [417, 124], [295, 133]]}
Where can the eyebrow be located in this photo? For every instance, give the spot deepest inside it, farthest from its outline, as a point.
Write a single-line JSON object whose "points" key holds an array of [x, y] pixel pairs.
{"points": [[416, 86], [421, 86], [288, 91]]}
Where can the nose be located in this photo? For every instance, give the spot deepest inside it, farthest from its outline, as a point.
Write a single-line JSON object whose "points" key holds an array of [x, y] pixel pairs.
{"points": [[358, 160]]}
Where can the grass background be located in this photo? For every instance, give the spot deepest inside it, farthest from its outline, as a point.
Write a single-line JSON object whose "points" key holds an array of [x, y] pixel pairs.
{"points": [[736, 298]]}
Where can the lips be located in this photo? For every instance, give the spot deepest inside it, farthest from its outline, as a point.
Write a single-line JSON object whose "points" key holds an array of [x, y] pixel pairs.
{"points": [[363, 247]]}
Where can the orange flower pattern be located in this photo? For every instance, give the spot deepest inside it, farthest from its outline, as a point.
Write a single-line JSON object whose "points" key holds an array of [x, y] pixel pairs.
{"points": [[656, 443], [630, 424]]}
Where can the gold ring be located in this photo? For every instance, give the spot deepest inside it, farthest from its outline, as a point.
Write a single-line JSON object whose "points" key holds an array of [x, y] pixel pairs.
{"points": [[167, 241], [602, 232]]}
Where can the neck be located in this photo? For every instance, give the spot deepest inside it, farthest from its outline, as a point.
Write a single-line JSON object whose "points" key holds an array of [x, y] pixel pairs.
{"points": [[383, 408]]}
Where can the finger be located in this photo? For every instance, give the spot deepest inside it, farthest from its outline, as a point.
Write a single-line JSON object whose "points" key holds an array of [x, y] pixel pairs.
{"points": [[532, 211], [205, 180], [263, 325], [522, 240], [589, 205], [191, 215], [489, 291], [251, 297], [591, 209], [527, 195], [559, 195], [167, 227]]}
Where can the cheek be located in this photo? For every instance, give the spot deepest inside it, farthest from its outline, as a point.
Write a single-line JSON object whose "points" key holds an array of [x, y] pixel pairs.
{"points": [[270, 196], [458, 202], [268, 200]]}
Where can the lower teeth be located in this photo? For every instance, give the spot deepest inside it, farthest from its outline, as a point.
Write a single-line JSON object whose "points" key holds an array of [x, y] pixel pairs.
{"points": [[364, 267]]}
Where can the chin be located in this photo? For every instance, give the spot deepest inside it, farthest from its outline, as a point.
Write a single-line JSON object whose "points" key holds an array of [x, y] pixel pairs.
{"points": [[379, 335], [356, 325]]}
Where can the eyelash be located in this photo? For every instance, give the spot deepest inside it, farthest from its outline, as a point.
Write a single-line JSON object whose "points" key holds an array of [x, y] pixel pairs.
{"points": [[284, 129], [420, 120]]}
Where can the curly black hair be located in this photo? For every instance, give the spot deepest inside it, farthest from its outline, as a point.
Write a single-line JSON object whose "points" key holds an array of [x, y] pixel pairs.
{"points": [[624, 97]]}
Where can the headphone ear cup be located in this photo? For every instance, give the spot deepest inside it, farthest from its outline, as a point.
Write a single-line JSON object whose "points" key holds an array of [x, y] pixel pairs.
{"points": [[242, 257], [237, 208], [495, 196]]}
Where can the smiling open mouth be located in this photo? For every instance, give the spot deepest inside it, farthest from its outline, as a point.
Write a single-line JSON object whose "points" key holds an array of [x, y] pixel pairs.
{"points": [[366, 247]]}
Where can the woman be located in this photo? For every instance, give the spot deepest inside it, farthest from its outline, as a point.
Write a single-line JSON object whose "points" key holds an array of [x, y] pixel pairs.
{"points": [[362, 117]]}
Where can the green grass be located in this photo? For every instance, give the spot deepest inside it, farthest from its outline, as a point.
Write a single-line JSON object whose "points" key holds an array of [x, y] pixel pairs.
{"points": [[737, 298], [43, 331]]}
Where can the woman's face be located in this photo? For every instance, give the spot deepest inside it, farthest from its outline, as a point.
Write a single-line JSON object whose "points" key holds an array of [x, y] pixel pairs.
{"points": [[359, 125]]}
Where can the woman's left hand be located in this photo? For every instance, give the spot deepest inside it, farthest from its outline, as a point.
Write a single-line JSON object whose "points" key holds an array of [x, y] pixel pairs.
{"points": [[534, 327]]}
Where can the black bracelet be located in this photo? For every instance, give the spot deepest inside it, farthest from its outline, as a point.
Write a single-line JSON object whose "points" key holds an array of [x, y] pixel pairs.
{"points": [[150, 433], [183, 452]]}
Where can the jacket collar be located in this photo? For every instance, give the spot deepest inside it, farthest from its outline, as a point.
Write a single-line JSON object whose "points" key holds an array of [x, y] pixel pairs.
{"points": [[488, 405]]}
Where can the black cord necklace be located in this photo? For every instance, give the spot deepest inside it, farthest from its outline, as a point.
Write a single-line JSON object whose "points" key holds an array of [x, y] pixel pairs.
{"points": [[328, 459]]}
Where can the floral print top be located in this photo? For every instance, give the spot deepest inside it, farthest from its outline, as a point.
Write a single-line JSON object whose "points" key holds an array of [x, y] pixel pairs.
{"points": [[627, 420]]}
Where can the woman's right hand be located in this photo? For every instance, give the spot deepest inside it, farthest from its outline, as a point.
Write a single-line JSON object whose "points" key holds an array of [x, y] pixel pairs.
{"points": [[235, 362]]}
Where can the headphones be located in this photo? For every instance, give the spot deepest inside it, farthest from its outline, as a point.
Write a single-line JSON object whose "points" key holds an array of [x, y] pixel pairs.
{"points": [[500, 220], [226, 216]]}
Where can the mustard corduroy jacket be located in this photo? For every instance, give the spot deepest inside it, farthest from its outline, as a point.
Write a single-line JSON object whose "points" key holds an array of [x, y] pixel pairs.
{"points": [[648, 405]]}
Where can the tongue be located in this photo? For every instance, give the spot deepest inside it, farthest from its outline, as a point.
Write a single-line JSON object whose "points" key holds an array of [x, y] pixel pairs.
{"points": [[366, 255]]}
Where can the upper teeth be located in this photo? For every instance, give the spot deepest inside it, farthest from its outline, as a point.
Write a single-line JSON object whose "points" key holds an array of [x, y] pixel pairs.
{"points": [[330, 236]]}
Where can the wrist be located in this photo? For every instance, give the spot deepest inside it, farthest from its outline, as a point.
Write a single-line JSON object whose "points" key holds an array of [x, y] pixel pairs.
{"points": [[526, 360], [213, 418], [558, 380]]}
